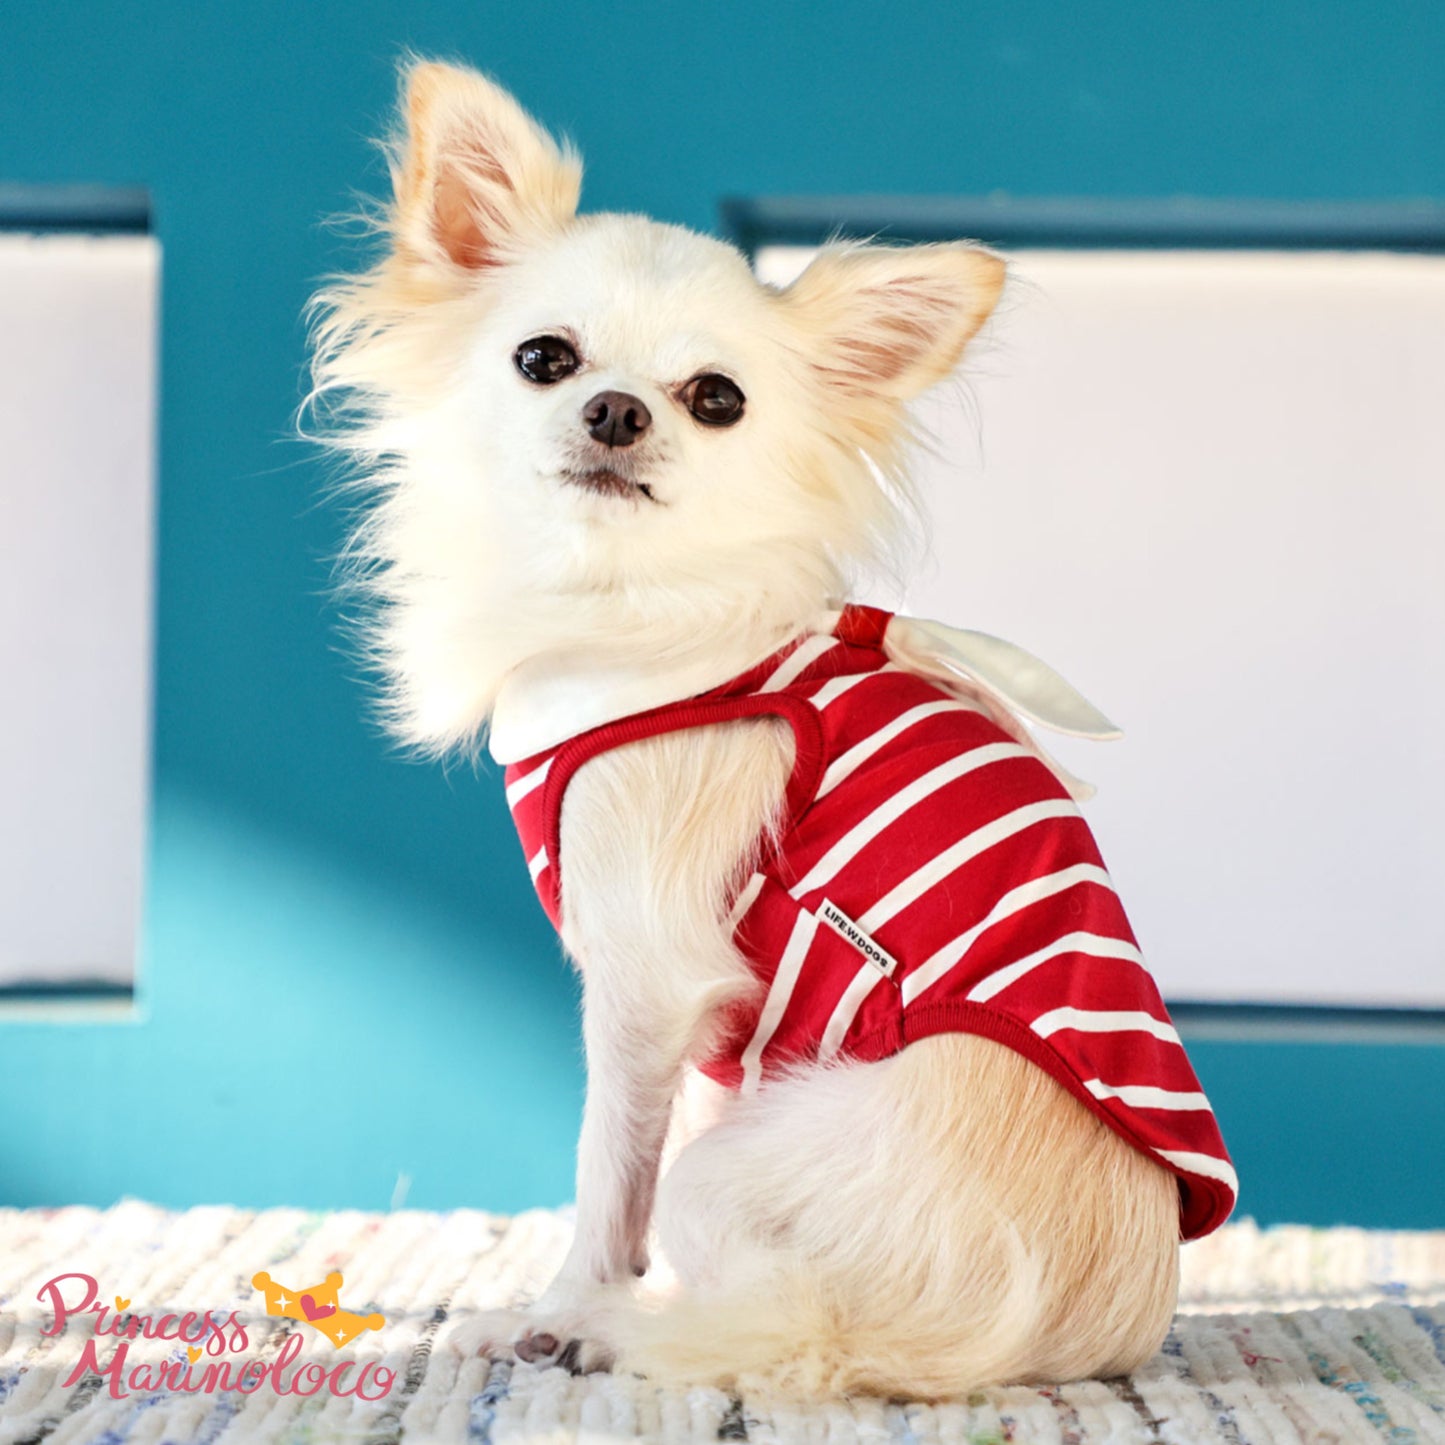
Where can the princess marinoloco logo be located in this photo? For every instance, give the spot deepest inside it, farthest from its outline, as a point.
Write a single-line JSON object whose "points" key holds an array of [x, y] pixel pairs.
{"points": [[204, 1346]]}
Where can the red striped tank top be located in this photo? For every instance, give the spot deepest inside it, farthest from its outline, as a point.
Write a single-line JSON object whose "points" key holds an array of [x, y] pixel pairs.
{"points": [[932, 875]]}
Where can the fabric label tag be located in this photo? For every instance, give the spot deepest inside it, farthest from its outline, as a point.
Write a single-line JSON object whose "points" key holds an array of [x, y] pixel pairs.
{"points": [[840, 923]]}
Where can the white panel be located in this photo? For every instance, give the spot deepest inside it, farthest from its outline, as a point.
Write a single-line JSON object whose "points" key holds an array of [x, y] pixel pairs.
{"points": [[77, 417], [1210, 489]]}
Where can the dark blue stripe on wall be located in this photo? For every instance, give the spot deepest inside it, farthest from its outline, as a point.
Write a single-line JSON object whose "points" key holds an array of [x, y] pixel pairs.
{"points": [[1294, 1023], [76, 991], [75, 208], [1089, 222]]}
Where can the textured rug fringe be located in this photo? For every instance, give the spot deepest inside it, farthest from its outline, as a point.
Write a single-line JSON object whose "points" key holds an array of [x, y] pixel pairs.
{"points": [[1284, 1335]]}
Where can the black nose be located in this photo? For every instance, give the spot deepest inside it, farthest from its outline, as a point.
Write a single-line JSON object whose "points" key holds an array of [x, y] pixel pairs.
{"points": [[616, 419]]}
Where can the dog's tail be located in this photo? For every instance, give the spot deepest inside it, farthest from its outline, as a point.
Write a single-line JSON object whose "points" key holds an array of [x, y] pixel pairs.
{"points": [[794, 1331]]}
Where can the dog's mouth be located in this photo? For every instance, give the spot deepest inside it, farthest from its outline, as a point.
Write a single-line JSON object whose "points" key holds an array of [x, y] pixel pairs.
{"points": [[604, 482]]}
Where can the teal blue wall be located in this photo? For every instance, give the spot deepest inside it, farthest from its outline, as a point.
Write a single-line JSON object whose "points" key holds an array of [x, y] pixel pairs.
{"points": [[345, 975]]}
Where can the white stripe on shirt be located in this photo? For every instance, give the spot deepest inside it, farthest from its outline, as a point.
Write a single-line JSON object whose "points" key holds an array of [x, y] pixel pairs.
{"points": [[835, 687], [846, 1011], [859, 753], [1203, 1164], [1014, 901], [798, 661], [1102, 1021], [780, 991], [1145, 1096], [1092, 945], [519, 790], [745, 900], [858, 837], [537, 864], [912, 888]]}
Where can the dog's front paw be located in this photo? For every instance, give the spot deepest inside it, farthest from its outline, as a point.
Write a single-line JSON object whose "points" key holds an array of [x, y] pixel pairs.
{"points": [[574, 1338]]}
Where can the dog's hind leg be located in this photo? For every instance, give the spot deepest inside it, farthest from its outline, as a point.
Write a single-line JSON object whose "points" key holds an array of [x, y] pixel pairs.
{"points": [[922, 1226]]}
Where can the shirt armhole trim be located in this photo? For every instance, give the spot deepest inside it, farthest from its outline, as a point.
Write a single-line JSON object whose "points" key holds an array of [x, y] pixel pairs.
{"points": [[676, 717]]}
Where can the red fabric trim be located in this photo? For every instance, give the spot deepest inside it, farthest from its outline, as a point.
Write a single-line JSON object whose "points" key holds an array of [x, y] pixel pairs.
{"points": [[675, 717], [857, 626], [1201, 1209], [861, 626]]}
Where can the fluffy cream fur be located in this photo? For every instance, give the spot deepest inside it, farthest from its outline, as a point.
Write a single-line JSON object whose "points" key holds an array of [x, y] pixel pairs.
{"points": [[921, 1226]]}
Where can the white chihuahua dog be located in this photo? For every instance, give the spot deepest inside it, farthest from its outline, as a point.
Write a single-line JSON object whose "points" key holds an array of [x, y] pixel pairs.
{"points": [[872, 1058]]}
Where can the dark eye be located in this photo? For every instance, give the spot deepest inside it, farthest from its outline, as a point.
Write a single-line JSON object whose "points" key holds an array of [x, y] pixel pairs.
{"points": [[714, 400], [546, 359]]}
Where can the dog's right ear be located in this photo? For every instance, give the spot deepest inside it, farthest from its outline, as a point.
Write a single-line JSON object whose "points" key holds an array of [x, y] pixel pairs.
{"points": [[882, 323], [476, 178]]}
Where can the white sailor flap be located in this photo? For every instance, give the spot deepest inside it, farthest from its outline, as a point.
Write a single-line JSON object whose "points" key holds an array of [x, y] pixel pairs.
{"points": [[1011, 685]]}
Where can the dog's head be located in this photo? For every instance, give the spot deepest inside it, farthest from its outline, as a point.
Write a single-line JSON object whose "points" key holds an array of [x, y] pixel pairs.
{"points": [[597, 428]]}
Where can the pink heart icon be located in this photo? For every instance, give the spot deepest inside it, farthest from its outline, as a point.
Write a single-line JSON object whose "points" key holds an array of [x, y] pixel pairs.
{"points": [[314, 1311]]}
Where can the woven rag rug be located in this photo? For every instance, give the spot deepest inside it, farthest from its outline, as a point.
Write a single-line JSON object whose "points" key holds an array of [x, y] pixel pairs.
{"points": [[1285, 1334]]}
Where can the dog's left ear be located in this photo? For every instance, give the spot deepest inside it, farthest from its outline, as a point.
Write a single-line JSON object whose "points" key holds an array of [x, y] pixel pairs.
{"points": [[886, 322], [476, 178]]}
